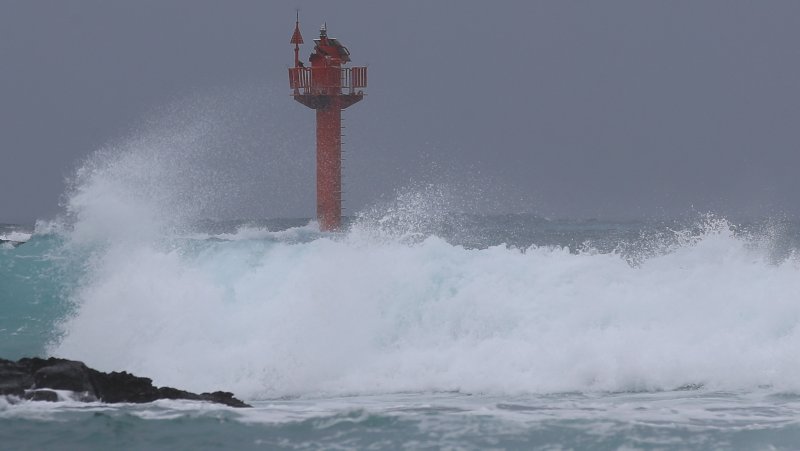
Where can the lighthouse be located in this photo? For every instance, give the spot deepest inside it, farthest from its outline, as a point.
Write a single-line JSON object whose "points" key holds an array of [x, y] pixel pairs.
{"points": [[327, 87]]}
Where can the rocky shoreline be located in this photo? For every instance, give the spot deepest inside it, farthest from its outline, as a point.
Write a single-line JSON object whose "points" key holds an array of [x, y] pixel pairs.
{"points": [[36, 379]]}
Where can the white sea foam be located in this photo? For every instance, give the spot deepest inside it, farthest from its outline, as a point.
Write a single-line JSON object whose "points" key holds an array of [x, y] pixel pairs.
{"points": [[16, 236], [391, 307], [355, 315], [248, 232]]}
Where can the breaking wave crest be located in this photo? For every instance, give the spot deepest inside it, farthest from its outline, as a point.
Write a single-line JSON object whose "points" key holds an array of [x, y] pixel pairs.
{"points": [[396, 304]]}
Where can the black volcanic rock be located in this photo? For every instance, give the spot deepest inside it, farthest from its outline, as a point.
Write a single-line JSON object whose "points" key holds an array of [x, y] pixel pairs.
{"points": [[63, 375], [42, 395], [28, 377]]}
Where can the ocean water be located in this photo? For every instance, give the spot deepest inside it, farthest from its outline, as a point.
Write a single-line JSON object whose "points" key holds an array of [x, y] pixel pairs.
{"points": [[506, 332], [416, 327]]}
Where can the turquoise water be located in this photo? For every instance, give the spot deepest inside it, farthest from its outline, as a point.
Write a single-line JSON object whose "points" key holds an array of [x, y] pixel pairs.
{"points": [[704, 420], [418, 326], [505, 332], [33, 287]]}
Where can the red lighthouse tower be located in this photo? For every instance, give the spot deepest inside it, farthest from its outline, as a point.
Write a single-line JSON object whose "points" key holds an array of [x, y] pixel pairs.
{"points": [[329, 88]]}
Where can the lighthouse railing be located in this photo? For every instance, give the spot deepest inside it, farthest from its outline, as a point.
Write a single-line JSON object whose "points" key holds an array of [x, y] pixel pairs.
{"points": [[327, 80]]}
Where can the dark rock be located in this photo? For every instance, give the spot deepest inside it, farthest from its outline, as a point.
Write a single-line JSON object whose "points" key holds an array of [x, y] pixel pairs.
{"points": [[13, 378], [64, 375], [124, 387], [223, 397], [690, 387], [41, 395], [60, 374]]}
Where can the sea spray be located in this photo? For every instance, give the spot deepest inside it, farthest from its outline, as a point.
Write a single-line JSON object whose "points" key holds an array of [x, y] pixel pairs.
{"points": [[351, 315], [410, 298]]}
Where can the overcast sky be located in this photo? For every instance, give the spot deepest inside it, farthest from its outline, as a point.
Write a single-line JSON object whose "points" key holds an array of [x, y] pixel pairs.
{"points": [[609, 109]]}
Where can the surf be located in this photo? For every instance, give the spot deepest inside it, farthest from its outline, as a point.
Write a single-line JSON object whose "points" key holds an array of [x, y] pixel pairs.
{"points": [[352, 314], [414, 296]]}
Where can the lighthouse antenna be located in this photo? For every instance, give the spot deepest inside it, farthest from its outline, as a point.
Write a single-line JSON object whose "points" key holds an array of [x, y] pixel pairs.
{"points": [[297, 39]]}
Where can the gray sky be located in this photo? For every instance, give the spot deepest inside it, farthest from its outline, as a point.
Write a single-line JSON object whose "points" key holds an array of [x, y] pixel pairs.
{"points": [[561, 108]]}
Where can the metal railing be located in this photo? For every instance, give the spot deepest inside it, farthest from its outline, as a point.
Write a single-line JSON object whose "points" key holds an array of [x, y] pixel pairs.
{"points": [[327, 80]]}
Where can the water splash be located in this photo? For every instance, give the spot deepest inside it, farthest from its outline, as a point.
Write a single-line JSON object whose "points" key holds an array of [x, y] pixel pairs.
{"points": [[395, 303], [351, 314]]}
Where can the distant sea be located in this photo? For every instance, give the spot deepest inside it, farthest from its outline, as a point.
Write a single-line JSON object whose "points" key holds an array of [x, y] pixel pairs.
{"points": [[412, 328]]}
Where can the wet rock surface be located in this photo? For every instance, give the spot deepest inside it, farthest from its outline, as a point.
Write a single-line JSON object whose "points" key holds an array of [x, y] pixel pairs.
{"points": [[35, 378]]}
